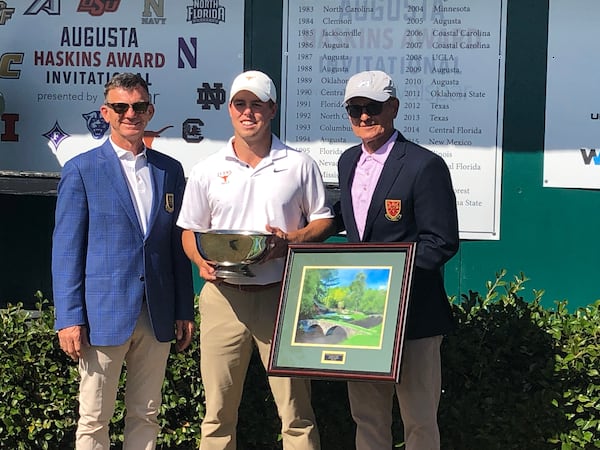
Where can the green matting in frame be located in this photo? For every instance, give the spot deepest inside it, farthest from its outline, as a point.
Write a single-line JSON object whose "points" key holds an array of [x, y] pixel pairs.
{"points": [[343, 311]]}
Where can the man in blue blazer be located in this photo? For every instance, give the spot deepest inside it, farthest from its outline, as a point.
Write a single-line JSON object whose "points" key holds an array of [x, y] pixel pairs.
{"points": [[392, 190], [122, 283]]}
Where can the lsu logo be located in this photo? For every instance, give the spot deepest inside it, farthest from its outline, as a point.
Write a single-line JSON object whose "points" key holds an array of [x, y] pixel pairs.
{"points": [[95, 124], [98, 7]]}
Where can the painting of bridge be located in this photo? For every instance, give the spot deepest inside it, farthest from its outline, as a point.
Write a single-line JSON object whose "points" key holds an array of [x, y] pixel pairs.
{"points": [[342, 306]]}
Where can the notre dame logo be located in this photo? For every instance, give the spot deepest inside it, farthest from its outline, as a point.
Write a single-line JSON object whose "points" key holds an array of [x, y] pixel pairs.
{"points": [[208, 96]]}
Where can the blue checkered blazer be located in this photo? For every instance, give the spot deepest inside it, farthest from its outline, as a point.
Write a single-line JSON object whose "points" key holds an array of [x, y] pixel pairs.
{"points": [[103, 265]]}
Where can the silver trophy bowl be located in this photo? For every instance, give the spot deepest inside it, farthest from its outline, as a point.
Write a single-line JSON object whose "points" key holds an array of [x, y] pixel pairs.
{"points": [[233, 251]]}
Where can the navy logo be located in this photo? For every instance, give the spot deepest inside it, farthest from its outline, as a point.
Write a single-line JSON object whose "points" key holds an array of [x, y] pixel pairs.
{"points": [[158, 7]]}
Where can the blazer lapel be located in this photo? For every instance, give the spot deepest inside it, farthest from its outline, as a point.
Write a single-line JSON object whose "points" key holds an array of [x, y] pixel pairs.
{"points": [[157, 175], [111, 166], [346, 180]]}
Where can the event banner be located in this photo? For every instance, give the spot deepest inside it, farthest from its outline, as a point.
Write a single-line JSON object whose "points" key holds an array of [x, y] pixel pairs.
{"points": [[57, 55], [572, 147], [447, 60]]}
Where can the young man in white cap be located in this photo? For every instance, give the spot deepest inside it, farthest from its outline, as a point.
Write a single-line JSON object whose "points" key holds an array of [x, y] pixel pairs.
{"points": [[254, 183], [392, 190]]}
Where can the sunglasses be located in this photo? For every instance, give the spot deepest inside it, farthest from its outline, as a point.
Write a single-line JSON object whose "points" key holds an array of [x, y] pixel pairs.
{"points": [[122, 108], [372, 109]]}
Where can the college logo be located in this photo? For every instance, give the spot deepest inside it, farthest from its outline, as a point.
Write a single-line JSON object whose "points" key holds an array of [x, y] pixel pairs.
{"points": [[205, 11], [393, 210], [208, 96], [192, 131], [96, 124], [590, 156], [224, 175], [8, 132], [7, 60], [158, 8], [150, 135], [5, 12], [50, 7], [56, 135], [10, 127], [187, 52], [98, 7]]}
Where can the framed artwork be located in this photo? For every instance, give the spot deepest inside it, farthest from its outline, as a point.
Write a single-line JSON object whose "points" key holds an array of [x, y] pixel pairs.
{"points": [[343, 311]]}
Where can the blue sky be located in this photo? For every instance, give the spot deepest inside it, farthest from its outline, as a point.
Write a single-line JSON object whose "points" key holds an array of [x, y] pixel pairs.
{"points": [[377, 277]]}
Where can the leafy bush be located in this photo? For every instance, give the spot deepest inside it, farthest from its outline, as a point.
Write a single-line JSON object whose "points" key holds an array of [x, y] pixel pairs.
{"points": [[515, 376], [518, 376], [37, 383]]}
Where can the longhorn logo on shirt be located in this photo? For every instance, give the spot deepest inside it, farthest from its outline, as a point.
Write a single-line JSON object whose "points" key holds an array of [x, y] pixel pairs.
{"points": [[393, 210], [224, 175]]}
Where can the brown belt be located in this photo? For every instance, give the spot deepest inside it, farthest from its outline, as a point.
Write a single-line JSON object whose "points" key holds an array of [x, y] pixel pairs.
{"points": [[250, 287]]}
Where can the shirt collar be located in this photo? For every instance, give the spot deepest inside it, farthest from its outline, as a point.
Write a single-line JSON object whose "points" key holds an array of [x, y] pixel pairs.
{"points": [[123, 154], [382, 153]]}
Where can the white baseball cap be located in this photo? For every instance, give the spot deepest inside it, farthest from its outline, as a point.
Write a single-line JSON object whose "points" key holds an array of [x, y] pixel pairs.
{"points": [[256, 82], [373, 84]]}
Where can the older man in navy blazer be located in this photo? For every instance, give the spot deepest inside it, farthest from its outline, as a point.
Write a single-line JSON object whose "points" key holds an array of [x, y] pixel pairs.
{"points": [[122, 283], [392, 190]]}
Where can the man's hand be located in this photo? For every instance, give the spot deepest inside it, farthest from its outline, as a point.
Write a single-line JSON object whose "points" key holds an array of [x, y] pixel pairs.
{"points": [[278, 241], [184, 332], [72, 340]]}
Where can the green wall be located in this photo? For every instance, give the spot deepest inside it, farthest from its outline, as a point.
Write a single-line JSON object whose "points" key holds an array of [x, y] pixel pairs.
{"points": [[546, 233]]}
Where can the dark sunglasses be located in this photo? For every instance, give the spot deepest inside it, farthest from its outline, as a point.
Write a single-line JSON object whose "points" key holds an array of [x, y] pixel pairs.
{"points": [[372, 109], [122, 108]]}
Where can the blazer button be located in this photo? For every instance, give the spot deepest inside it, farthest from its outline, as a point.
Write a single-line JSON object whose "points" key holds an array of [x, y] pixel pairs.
{"points": [[141, 277]]}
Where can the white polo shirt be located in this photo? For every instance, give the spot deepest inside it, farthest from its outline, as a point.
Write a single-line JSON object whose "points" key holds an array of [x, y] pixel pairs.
{"points": [[284, 190]]}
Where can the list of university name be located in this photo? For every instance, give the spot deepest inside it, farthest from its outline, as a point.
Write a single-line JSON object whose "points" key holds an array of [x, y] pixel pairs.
{"points": [[442, 55]]}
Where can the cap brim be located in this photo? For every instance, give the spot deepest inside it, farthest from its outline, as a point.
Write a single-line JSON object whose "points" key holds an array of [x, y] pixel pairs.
{"points": [[378, 97], [262, 96]]}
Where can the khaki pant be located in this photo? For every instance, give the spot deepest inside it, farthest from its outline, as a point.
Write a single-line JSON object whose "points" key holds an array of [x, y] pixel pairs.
{"points": [[230, 322], [418, 396], [100, 369]]}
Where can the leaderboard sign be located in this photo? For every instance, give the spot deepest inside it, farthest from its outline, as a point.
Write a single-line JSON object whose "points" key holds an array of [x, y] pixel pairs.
{"points": [[56, 56], [447, 60]]}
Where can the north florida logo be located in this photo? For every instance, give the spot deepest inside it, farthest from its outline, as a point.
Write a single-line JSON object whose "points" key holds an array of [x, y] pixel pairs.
{"points": [[205, 11]]}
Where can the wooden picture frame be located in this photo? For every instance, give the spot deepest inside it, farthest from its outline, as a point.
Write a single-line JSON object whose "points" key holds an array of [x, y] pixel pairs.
{"points": [[343, 311]]}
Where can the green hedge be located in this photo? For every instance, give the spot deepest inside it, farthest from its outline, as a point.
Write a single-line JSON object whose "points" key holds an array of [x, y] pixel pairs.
{"points": [[516, 375]]}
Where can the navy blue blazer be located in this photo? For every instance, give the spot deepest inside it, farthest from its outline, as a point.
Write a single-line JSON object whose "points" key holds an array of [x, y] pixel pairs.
{"points": [[103, 265], [420, 180]]}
